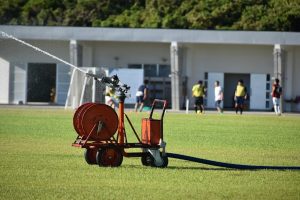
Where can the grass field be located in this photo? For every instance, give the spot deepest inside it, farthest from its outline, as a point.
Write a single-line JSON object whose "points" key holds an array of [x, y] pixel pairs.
{"points": [[38, 162]]}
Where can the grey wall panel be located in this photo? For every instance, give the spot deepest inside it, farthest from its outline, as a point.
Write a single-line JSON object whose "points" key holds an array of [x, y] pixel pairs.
{"points": [[18, 82]]}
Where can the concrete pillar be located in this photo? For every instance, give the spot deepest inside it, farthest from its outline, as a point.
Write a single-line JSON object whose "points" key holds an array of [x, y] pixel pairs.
{"points": [[278, 58], [76, 59], [175, 76], [75, 53], [279, 69]]}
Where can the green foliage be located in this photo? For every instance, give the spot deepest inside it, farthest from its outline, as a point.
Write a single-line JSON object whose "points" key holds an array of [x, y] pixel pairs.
{"points": [[276, 15], [10, 11], [272, 15]]}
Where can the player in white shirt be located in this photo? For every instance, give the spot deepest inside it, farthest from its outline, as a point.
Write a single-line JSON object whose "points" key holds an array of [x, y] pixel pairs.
{"points": [[218, 96]]}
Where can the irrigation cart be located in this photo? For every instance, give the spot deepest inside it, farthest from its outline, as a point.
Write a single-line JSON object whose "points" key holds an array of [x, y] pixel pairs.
{"points": [[102, 132]]}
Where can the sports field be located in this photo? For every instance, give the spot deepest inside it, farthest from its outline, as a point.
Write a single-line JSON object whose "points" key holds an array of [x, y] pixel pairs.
{"points": [[38, 162]]}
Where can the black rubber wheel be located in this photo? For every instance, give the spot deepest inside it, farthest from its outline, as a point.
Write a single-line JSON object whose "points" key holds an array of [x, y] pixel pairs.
{"points": [[90, 156], [109, 157], [165, 162], [147, 159]]}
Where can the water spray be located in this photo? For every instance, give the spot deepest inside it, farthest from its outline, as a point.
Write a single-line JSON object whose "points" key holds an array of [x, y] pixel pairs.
{"points": [[6, 35]]}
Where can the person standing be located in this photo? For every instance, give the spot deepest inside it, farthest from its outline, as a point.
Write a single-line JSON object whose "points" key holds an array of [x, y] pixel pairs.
{"points": [[141, 96], [198, 92], [239, 96], [218, 96], [276, 93]]}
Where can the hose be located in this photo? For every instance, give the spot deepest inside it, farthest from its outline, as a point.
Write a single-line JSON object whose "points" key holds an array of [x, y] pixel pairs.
{"points": [[229, 165]]}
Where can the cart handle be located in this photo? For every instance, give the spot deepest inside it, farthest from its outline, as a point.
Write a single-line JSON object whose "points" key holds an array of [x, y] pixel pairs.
{"points": [[153, 107]]}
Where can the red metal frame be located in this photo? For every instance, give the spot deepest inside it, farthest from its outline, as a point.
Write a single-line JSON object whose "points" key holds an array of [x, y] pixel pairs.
{"points": [[121, 141], [121, 127]]}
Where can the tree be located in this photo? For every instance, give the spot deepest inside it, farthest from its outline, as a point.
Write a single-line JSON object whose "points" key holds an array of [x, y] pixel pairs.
{"points": [[261, 15], [10, 11]]}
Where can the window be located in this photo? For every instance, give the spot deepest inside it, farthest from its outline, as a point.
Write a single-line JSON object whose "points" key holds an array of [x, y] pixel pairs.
{"points": [[150, 70], [267, 104], [268, 77], [153, 70], [205, 85], [268, 88], [159, 80], [164, 70], [206, 75], [135, 66]]}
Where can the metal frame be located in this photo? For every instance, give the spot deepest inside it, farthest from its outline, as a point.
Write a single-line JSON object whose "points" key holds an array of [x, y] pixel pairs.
{"points": [[121, 141]]}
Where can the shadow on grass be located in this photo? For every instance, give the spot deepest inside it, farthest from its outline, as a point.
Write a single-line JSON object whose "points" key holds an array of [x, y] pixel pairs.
{"points": [[180, 168], [203, 168]]}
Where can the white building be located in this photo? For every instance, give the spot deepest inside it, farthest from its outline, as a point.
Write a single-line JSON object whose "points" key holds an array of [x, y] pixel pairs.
{"points": [[173, 60]]}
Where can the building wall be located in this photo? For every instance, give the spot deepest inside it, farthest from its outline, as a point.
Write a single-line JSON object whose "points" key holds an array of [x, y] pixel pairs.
{"points": [[120, 54], [291, 87], [99, 54], [18, 83], [228, 59], [16, 52], [296, 73], [4, 81], [15, 58], [296, 77], [87, 54], [197, 59]]}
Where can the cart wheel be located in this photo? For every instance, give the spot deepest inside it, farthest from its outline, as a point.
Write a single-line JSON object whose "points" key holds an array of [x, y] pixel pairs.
{"points": [[90, 156], [109, 157], [147, 160], [164, 164], [166, 161]]}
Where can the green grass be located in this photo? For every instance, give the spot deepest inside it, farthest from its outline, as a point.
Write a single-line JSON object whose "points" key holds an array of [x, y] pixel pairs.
{"points": [[38, 162]]}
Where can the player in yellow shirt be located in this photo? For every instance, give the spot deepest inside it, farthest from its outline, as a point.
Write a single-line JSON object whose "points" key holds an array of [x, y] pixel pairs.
{"points": [[239, 96], [198, 92]]}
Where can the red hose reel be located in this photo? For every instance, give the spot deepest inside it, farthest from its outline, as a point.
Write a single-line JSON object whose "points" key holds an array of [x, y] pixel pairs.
{"points": [[89, 114]]}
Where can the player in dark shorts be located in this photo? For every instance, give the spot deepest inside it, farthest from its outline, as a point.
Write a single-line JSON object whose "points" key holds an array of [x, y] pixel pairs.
{"points": [[141, 96], [198, 92], [240, 96]]}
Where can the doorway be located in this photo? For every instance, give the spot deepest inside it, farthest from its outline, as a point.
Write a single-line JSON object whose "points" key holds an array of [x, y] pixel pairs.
{"points": [[41, 82], [230, 83]]}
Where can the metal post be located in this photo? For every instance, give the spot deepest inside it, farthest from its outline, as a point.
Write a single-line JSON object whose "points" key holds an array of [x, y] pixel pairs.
{"points": [[70, 89], [94, 87], [83, 90]]}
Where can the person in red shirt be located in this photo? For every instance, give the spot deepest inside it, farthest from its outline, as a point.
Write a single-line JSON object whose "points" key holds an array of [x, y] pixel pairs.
{"points": [[276, 93]]}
